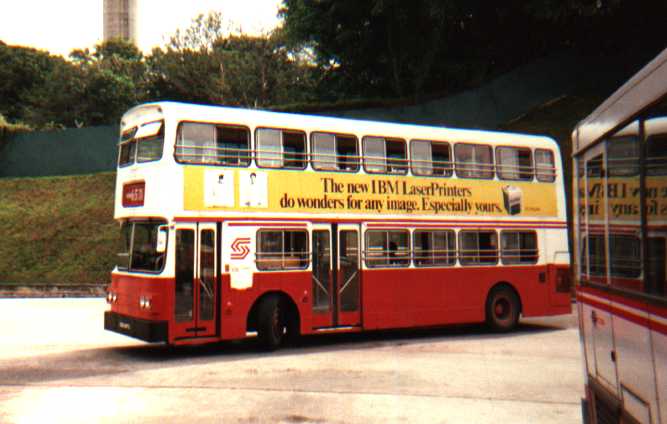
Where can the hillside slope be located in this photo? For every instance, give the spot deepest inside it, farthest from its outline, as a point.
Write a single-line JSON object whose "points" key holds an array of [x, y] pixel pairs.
{"points": [[57, 229]]}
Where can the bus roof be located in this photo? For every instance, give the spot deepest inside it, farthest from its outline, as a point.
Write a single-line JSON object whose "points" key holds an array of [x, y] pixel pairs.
{"points": [[233, 115], [639, 92]]}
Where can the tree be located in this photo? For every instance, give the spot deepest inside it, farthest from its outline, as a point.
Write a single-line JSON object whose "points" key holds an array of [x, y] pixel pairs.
{"points": [[23, 69], [94, 88], [205, 65], [377, 48]]}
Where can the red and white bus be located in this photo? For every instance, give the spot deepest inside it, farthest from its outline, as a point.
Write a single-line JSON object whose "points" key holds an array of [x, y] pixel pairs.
{"points": [[620, 158], [241, 222]]}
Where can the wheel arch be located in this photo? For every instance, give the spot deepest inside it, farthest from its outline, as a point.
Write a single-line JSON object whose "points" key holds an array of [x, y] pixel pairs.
{"points": [[508, 285], [290, 307]]}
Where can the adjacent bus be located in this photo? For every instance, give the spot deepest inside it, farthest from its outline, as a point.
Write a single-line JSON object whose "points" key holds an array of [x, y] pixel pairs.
{"points": [[620, 186], [240, 222]]}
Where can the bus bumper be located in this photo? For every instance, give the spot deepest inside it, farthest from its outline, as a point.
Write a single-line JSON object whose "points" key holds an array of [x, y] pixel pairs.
{"points": [[149, 331]]}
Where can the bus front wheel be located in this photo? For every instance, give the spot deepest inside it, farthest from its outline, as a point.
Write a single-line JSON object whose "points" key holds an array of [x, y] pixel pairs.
{"points": [[271, 325], [502, 309]]}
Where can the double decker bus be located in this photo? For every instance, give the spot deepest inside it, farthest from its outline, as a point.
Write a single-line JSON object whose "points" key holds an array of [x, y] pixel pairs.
{"points": [[240, 222], [620, 158]]}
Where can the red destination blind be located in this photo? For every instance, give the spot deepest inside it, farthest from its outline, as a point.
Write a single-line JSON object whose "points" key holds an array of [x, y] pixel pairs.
{"points": [[133, 194]]}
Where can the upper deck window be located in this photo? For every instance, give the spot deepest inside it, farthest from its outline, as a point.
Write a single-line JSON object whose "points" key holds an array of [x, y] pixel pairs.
{"points": [[545, 168], [431, 158], [385, 155], [623, 156], [514, 163], [141, 144], [656, 155], [473, 161], [281, 148], [213, 144], [334, 152]]}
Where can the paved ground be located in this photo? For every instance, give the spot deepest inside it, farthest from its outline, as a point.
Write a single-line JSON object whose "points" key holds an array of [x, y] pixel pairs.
{"points": [[58, 365]]}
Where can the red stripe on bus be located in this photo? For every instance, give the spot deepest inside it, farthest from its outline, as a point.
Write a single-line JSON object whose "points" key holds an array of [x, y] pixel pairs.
{"points": [[631, 303], [532, 224], [628, 316]]}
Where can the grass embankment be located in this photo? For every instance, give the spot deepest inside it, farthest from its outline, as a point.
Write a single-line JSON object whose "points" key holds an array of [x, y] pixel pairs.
{"points": [[57, 230]]}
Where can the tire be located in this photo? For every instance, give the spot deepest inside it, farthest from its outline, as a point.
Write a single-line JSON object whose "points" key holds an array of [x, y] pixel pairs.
{"points": [[502, 309], [271, 323]]}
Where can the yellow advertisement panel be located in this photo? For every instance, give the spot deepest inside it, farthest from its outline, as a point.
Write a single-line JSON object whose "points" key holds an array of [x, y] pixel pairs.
{"points": [[622, 196], [340, 193]]}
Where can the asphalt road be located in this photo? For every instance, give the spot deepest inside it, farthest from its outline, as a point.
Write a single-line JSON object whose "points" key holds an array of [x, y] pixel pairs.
{"points": [[57, 364]]}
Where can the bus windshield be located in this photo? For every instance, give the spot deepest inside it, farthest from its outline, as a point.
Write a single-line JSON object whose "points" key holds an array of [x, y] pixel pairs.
{"points": [[139, 251], [141, 144]]}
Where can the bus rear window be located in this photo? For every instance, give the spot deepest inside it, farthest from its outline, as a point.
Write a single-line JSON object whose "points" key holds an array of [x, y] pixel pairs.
{"points": [[545, 169]]}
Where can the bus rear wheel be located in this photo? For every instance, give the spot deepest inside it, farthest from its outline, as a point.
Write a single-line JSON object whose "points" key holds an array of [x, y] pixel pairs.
{"points": [[502, 309], [271, 323]]}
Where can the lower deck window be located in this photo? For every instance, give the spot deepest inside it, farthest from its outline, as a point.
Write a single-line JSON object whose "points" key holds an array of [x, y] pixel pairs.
{"points": [[625, 259], [478, 247], [518, 247], [433, 248], [387, 248], [280, 250], [594, 248]]}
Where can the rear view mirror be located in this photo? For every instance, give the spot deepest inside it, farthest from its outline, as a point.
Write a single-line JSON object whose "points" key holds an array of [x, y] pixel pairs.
{"points": [[161, 244]]}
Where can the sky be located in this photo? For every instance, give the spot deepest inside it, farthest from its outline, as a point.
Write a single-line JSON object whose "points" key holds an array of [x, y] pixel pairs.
{"points": [[60, 26]]}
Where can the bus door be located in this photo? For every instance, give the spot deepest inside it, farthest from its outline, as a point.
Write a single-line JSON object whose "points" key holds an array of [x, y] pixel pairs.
{"points": [[195, 288], [336, 276], [595, 259]]}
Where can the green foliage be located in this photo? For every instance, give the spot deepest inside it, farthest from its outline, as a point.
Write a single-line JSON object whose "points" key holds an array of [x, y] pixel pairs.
{"points": [[372, 48], [202, 65], [22, 71]]}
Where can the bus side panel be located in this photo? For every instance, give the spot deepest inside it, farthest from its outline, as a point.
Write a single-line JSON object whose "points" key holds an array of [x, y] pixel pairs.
{"points": [[236, 304], [659, 337], [407, 297], [232, 321], [632, 342], [398, 298]]}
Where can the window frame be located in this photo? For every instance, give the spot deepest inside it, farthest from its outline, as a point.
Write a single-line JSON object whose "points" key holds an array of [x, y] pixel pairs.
{"points": [[283, 155], [389, 163], [312, 154], [127, 139], [158, 224], [448, 170], [477, 257], [474, 168], [304, 259], [402, 261], [520, 169], [540, 170], [243, 161], [451, 255], [516, 258]]}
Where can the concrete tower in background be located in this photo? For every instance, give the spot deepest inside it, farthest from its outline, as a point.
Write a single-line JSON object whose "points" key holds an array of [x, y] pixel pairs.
{"points": [[120, 20]]}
